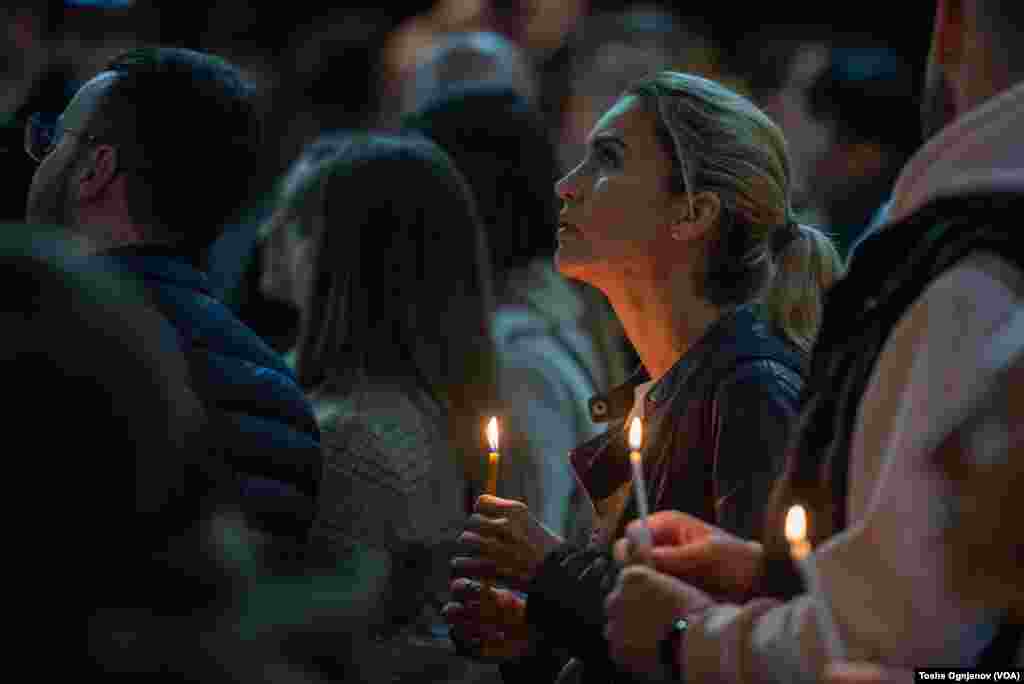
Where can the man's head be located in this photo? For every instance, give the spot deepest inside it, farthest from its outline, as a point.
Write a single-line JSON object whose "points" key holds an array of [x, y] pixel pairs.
{"points": [[863, 100], [975, 53], [156, 148], [468, 58]]}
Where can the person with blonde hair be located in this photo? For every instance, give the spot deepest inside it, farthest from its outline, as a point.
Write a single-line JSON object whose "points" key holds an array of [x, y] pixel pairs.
{"points": [[896, 471], [680, 214]]}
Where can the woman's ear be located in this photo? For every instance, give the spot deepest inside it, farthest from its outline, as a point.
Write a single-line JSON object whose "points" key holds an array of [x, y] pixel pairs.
{"points": [[696, 218]]}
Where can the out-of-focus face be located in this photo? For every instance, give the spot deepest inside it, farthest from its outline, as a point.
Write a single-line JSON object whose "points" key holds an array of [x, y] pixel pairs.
{"points": [[807, 139], [616, 204], [50, 197]]}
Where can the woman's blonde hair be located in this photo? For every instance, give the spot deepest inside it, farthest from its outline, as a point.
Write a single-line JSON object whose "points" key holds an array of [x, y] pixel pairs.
{"points": [[720, 142]]}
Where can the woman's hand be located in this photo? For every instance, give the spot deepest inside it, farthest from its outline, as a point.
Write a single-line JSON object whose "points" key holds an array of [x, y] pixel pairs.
{"points": [[688, 548], [640, 612], [503, 542], [487, 624]]}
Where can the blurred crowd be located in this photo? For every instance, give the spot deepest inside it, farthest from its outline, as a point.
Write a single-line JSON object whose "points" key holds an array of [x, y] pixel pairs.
{"points": [[300, 267]]}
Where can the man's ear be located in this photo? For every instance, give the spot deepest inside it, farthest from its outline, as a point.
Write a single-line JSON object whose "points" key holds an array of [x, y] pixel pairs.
{"points": [[97, 172], [948, 33], [697, 218]]}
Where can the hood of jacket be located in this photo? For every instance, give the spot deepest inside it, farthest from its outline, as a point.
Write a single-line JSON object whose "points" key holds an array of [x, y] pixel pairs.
{"points": [[981, 151]]}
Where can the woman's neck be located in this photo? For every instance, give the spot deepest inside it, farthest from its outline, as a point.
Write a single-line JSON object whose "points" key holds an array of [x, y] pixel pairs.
{"points": [[663, 319]]}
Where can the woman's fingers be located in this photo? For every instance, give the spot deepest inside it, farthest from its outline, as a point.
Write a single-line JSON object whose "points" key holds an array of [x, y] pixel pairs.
{"points": [[464, 590], [476, 544], [496, 632], [496, 528], [675, 528], [474, 568], [493, 507], [686, 561], [865, 673]]}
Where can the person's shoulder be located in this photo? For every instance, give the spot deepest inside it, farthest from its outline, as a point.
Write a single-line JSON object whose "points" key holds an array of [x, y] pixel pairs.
{"points": [[979, 286], [753, 349], [380, 424]]}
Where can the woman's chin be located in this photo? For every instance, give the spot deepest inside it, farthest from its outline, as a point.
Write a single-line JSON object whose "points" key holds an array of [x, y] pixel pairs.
{"points": [[570, 263]]}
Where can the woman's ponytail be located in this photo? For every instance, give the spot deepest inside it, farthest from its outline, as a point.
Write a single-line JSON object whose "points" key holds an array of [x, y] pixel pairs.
{"points": [[806, 265]]}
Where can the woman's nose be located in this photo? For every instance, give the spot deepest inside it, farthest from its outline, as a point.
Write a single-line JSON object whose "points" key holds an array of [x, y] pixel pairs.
{"points": [[566, 187]]}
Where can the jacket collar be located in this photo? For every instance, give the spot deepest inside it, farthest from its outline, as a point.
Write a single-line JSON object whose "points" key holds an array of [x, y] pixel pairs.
{"points": [[979, 152], [617, 402], [163, 263]]}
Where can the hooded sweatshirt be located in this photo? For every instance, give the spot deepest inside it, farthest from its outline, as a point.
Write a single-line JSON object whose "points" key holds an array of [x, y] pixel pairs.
{"points": [[885, 582]]}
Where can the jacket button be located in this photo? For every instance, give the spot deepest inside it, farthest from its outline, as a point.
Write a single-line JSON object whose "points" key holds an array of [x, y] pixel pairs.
{"points": [[599, 407]]}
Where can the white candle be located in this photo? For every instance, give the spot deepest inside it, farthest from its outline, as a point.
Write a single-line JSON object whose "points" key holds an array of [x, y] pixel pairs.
{"points": [[646, 540], [800, 550]]}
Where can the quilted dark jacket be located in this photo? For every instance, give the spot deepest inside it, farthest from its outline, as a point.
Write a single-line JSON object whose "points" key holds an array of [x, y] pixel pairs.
{"points": [[261, 424]]}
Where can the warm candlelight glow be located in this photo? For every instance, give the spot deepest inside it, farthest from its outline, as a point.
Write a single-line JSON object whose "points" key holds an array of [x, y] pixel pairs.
{"points": [[796, 524], [492, 433], [491, 487], [636, 435], [796, 532], [800, 550]]}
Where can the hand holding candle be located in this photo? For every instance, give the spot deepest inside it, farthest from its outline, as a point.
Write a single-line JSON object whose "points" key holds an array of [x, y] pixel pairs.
{"points": [[645, 541], [800, 550]]}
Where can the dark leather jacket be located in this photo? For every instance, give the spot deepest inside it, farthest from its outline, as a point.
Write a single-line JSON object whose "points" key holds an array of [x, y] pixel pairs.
{"points": [[717, 426]]}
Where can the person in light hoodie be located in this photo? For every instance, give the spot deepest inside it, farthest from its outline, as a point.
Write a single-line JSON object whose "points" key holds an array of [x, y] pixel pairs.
{"points": [[883, 432]]}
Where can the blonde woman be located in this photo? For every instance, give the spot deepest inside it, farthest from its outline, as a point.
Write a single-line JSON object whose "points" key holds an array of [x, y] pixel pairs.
{"points": [[680, 213]]}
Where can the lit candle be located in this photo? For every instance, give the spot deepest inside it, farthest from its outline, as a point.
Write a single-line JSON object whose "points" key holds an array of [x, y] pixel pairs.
{"points": [[493, 458], [800, 550], [488, 602], [645, 540], [796, 533]]}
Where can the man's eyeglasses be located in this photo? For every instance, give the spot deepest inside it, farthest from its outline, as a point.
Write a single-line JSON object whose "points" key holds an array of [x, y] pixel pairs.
{"points": [[43, 133]]}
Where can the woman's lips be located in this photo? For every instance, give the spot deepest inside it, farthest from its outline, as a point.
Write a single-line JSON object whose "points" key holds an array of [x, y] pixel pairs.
{"points": [[568, 229]]}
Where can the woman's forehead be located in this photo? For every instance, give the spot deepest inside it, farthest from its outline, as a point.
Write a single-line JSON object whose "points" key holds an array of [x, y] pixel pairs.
{"points": [[635, 127], [627, 119]]}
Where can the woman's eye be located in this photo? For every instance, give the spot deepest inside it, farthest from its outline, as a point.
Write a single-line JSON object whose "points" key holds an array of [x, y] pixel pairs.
{"points": [[606, 156]]}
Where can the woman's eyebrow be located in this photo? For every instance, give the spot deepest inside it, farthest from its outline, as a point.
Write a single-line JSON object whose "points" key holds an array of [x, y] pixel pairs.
{"points": [[608, 138]]}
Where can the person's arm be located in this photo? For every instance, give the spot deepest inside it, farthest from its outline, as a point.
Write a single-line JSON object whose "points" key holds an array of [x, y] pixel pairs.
{"points": [[886, 577]]}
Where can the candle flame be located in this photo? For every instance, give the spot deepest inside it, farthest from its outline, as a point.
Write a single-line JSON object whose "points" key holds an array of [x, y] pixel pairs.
{"points": [[796, 524], [636, 434], [492, 433]]}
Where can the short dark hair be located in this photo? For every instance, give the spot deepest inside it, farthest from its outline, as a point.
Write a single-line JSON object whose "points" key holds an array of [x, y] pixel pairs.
{"points": [[188, 131], [477, 123], [869, 94]]}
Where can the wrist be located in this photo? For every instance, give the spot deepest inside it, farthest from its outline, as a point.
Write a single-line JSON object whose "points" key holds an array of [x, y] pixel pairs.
{"points": [[669, 647]]}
